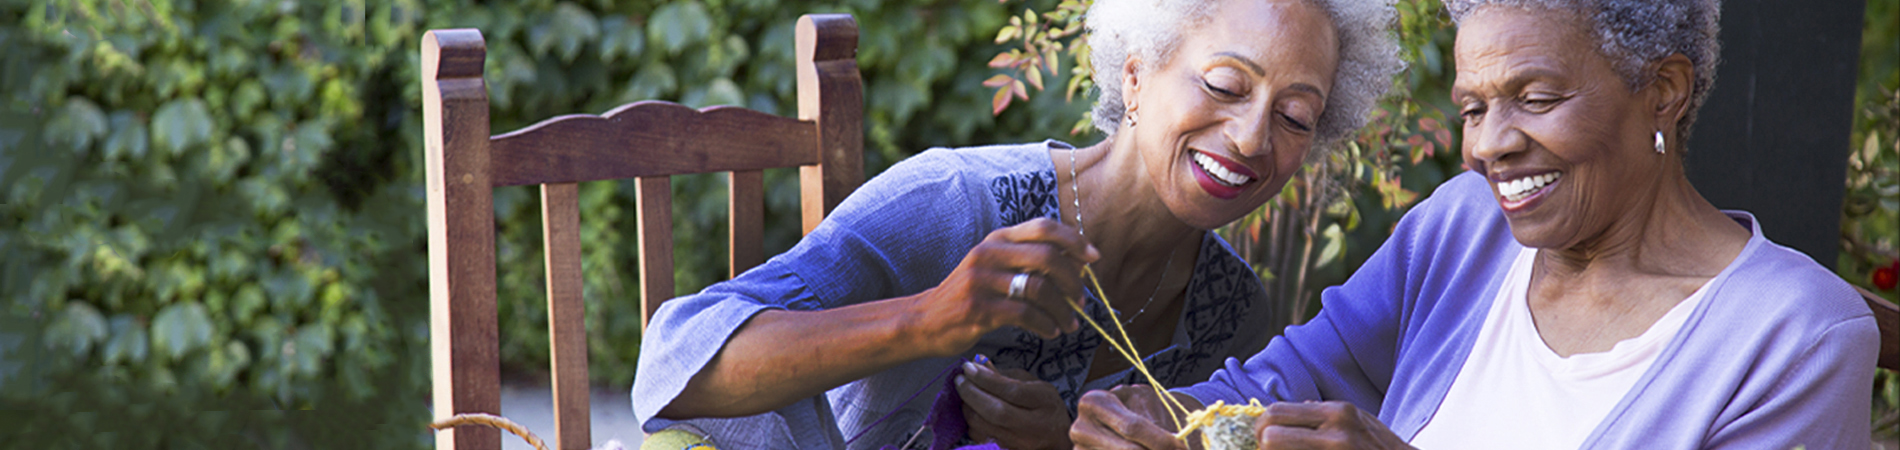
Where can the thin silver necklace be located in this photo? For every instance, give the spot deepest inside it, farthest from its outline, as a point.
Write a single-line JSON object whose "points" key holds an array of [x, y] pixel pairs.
{"points": [[1075, 187]]}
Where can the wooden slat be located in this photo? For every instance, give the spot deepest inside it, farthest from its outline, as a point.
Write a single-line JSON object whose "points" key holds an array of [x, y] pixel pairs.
{"points": [[745, 208], [1887, 317], [567, 314], [463, 339], [655, 205], [651, 138], [830, 92]]}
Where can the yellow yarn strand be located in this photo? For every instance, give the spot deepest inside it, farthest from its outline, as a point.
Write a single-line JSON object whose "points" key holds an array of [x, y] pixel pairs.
{"points": [[1126, 347], [491, 421]]}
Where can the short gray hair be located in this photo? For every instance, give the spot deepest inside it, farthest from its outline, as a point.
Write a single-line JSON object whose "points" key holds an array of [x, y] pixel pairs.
{"points": [[1149, 30], [1634, 33]]}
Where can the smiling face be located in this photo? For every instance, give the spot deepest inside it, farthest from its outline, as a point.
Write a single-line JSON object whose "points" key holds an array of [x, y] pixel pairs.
{"points": [[1229, 117], [1566, 145]]}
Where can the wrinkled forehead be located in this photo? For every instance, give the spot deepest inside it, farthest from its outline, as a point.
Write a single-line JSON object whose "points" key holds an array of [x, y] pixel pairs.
{"points": [[1497, 41]]}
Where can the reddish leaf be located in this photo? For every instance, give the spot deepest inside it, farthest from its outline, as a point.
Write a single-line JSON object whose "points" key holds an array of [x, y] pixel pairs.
{"points": [[999, 101], [998, 80], [1021, 91], [1004, 60]]}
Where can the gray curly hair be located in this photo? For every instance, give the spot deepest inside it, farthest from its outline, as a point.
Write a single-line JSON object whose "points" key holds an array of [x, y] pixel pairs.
{"points": [[1149, 30], [1634, 33]]}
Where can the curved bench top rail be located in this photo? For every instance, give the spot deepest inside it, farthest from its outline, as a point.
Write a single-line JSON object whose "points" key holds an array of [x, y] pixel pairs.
{"points": [[647, 139], [832, 37], [453, 53]]}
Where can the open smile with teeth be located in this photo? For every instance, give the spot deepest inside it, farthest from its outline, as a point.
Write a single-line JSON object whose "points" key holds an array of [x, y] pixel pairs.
{"points": [[1520, 188], [1220, 173]]}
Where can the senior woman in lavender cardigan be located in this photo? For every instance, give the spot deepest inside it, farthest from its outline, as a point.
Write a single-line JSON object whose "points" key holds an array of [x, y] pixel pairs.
{"points": [[1573, 290], [1209, 107]]}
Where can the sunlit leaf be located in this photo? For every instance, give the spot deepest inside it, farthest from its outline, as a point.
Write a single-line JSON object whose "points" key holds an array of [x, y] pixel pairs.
{"points": [[1004, 60], [1335, 246], [180, 328], [76, 329], [652, 82], [128, 342], [308, 145], [574, 28], [676, 25], [309, 348], [999, 101], [621, 37], [77, 124], [248, 301], [128, 139], [181, 124], [720, 91]]}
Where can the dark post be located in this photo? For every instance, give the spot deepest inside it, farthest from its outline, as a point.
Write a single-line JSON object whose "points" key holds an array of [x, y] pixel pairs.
{"points": [[1772, 138]]}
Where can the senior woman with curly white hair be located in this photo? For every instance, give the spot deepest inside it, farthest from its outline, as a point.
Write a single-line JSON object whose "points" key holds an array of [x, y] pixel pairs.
{"points": [[974, 254], [1573, 290]]}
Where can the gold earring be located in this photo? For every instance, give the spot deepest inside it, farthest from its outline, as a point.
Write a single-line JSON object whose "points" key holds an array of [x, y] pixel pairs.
{"points": [[1131, 118]]}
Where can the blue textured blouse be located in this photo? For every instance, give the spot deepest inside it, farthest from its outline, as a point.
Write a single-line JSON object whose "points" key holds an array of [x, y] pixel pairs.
{"points": [[903, 232], [1779, 354]]}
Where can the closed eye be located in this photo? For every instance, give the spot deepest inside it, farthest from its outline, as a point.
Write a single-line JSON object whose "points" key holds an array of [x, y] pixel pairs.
{"points": [[1296, 123], [1541, 103], [1218, 91]]}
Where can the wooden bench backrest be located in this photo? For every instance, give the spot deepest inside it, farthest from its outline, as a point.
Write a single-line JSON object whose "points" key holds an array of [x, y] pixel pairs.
{"points": [[648, 141], [1887, 316]]}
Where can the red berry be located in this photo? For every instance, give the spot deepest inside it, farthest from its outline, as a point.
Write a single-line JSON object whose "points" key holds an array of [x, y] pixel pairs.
{"points": [[1884, 278]]}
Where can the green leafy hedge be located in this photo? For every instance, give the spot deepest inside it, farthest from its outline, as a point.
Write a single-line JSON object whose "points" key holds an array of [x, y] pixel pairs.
{"points": [[216, 205], [206, 207]]}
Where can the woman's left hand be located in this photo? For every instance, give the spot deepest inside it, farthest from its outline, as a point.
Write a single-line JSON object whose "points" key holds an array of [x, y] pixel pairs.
{"points": [[1013, 408], [1323, 425]]}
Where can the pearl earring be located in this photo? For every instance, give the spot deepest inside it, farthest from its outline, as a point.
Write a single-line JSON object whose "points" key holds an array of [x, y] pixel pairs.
{"points": [[1659, 142]]}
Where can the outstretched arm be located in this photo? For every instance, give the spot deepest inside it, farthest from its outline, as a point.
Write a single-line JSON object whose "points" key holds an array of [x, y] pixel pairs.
{"points": [[781, 356]]}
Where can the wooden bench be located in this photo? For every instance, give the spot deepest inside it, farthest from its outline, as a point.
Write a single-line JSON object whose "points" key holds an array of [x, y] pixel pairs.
{"points": [[1887, 316], [647, 141]]}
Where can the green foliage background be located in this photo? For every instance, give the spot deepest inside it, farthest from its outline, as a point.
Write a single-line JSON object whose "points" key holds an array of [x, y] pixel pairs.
{"points": [[216, 205], [1870, 214], [210, 211]]}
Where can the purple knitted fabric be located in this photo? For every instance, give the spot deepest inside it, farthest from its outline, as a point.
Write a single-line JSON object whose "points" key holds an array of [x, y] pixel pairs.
{"points": [[947, 425]]}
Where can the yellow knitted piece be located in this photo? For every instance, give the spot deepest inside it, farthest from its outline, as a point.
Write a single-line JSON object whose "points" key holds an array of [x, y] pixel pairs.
{"points": [[1224, 426]]}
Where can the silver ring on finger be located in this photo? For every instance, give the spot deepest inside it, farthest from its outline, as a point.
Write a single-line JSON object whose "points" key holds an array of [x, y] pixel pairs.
{"points": [[1017, 285]]}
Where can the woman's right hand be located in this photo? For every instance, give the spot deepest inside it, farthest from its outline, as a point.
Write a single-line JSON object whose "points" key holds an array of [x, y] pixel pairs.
{"points": [[974, 299], [1126, 417]]}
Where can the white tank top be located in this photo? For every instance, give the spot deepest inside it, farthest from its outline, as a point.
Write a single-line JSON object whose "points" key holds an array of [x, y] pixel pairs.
{"points": [[1515, 393]]}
